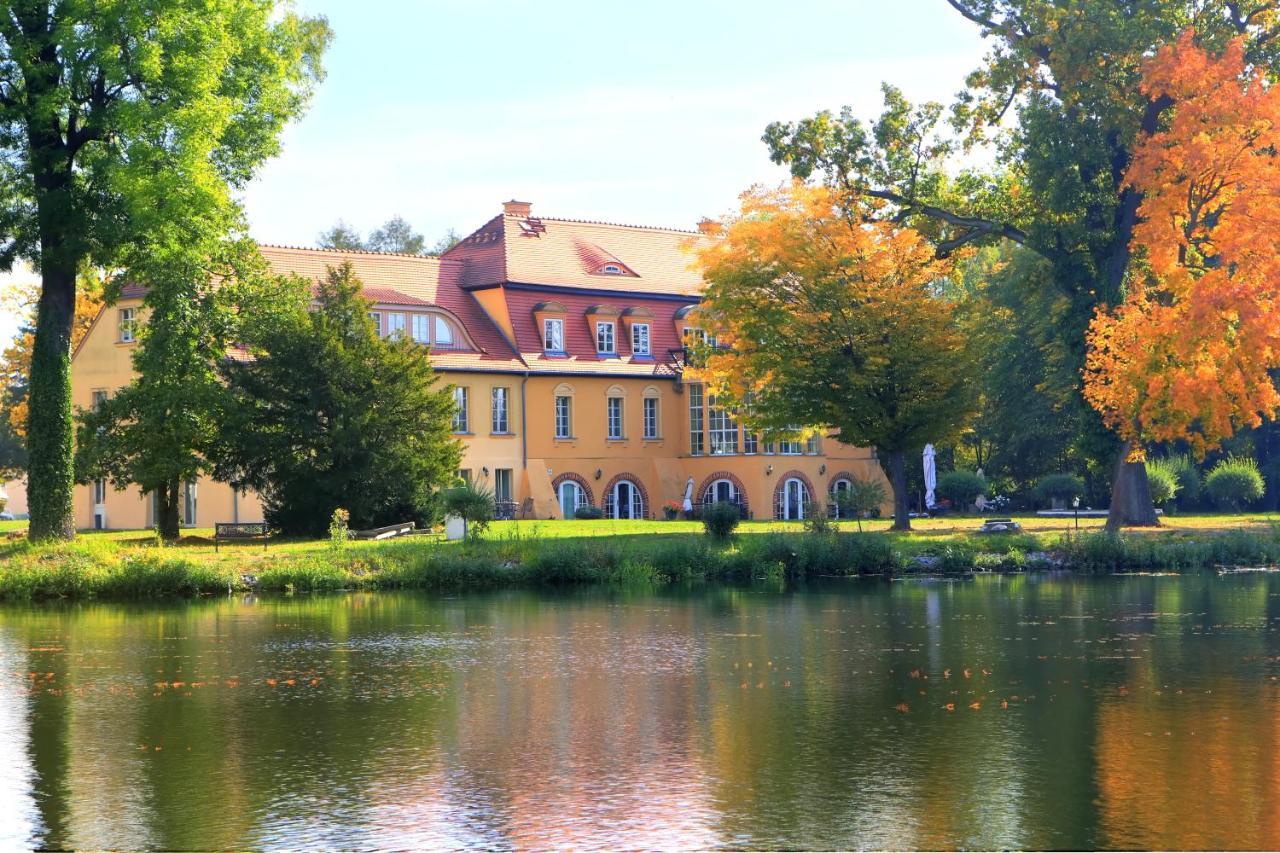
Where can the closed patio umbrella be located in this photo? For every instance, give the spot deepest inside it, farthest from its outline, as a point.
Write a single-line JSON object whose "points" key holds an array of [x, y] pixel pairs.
{"points": [[930, 476], [688, 496]]}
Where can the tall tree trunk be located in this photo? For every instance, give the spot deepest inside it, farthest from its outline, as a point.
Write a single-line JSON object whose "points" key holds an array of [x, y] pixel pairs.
{"points": [[1131, 503], [50, 429], [895, 466], [167, 510]]}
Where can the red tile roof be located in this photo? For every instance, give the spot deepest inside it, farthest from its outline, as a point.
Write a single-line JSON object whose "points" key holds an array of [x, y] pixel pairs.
{"points": [[410, 280], [569, 253]]}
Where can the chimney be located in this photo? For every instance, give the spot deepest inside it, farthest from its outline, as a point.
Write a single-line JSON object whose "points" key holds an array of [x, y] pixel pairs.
{"points": [[710, 227], [517, 208]]}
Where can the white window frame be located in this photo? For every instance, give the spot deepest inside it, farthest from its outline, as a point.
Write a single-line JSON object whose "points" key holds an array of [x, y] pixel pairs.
{"points": [[697, 421], [564, 416], [395, 324], [376, 317], [550, 340], [615, 418], [606, 332], [722, 428], [504, 485], [127, 325], [190, 503], [461, 414], [422, 328], [500, 411], [750, 443], [640, 339], [446, 340], [652, 419]]}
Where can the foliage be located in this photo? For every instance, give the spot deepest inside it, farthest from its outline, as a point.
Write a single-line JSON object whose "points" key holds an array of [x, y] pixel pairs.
{"points": [[817, 519], [1235, 482], [118, 123], [1163, 477], [588, 511], [161, 429], [961, 488], [395, 235], [339, 531], [328, 414], [1070, 72], [1187, 355], [828, 320], [720, 519], [1188, 477], [862, 497], [1060, 486], [472, 503]]}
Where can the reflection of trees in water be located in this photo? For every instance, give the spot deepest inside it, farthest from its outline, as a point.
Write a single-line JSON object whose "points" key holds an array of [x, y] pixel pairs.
{"points": [[729, 715]]}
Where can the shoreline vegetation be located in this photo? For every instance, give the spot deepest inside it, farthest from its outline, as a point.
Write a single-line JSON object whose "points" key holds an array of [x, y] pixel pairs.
{"points": [[134, 567]]}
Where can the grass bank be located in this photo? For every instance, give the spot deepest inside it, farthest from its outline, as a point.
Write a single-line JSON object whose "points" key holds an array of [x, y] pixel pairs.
{"points": [[119, 567]]}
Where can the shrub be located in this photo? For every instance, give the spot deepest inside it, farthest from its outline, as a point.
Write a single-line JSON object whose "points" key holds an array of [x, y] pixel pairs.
{"points": [[719, 520], [1234, 482], [1163, 478], [1063, 487], [817, 519], [472, 503], [338, 530], [961, 488], [863, 497], [588, 511], [1189, 486]]}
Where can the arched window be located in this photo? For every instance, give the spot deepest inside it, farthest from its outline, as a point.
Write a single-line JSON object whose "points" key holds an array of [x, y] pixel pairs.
{"points": [[790, 499], [572, 496], [721, 491], [840, 486], [443, 332], [625, 500]]}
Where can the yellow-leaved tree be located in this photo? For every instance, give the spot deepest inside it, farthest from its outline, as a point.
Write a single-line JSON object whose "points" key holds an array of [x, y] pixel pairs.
{"points": [[826, 320], [1188, 354]]}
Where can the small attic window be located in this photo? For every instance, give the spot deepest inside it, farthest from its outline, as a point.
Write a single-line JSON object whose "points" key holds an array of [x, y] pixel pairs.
{"points": [[613, 269]]}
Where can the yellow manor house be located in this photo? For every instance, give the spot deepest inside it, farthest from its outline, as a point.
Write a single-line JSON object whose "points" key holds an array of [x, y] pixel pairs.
{"points": [[563, 341]]}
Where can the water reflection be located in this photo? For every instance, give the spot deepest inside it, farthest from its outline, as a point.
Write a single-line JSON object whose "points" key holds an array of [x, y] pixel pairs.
{"points": [[1005, 712]]}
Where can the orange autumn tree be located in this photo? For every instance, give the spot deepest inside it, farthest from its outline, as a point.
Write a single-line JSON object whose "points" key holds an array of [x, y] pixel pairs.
{"points": [[1187, 355], [826, 320]]}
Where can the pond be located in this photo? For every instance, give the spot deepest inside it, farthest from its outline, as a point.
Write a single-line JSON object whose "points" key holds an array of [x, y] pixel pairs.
{"points": [[1028, 711]]}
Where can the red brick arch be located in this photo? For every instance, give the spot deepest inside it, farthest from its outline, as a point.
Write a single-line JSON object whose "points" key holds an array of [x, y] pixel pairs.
{"points": [[645, 506], [782, 479], [737, 484], [577, 478], [840, 475]]}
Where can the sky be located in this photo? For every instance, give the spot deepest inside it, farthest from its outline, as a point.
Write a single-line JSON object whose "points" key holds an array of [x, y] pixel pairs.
{"points": [[644, 113]]}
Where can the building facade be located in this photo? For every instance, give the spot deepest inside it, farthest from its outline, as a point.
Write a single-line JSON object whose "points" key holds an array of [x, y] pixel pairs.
{"points": [[563, 341]]}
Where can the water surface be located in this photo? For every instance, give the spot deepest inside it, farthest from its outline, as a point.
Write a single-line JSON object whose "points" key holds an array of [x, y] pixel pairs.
{"points": [[1002, 712]]}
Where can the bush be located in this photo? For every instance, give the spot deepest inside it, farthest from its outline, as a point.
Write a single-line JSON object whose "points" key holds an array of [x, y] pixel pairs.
{"points": [[1062, 487], [472, 503], [1163, 479], [1234, 482], [1189, 486], [862, 497], [961, 488], [338, 530], [588, 511], [817, 519], [719, 520]]}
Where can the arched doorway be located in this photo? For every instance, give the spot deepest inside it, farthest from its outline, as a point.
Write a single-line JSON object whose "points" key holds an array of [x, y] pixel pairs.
{"points": [[792, 496], [840, 488], [626, 500], [572, 496], [721, 491]]}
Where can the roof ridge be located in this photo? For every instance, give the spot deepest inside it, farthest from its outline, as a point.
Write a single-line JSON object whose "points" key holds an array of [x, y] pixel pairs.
{"points": [[693, 232], [420, 257]]}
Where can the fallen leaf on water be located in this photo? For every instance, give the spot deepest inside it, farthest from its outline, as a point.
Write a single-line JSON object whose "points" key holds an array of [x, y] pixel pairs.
{"points": [[901, 708], [272, 682], [1004, 704], [968, 673], [974, 706], [950, 706]]}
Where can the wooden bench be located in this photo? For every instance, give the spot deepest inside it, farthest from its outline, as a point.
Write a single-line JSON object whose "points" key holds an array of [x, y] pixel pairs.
{"points": [[389, 532], [240, 531]]}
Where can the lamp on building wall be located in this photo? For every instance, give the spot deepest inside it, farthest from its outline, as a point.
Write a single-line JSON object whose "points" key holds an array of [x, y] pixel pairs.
{"points": [[822, 469], [599, 473], [768, 470], [484, 471]]}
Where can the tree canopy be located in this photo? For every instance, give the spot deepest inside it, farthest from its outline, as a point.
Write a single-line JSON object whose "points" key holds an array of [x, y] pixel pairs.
{"points": [[121, 120], [395, 235], [825, 320], [324, 414]]}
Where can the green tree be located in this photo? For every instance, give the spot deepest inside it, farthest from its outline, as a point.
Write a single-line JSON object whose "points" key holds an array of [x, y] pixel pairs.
{"points": [[326, 414], [161, 430], [862, 497], [341, 237], [827, 320], [119, 118], [395, 235], [1070, 72]]}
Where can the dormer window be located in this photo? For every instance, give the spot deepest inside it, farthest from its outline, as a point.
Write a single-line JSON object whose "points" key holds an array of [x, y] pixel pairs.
{"points": [[127, 326], [443, 332], [613, 268], [640, 339], [606, 343], [553, 335]]}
